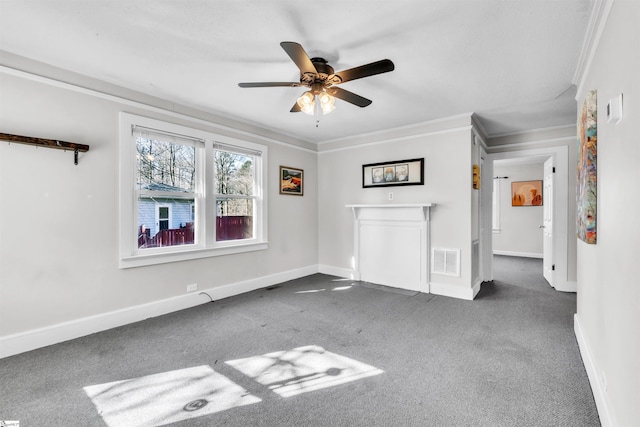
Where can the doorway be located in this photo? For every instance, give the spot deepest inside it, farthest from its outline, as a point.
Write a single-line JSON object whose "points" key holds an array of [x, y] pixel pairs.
{"points": [[555, 242], [522, 209], [163, 217]]}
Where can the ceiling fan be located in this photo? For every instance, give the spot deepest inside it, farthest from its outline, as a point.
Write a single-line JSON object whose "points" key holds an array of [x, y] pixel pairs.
{"points": [[320, 78]]}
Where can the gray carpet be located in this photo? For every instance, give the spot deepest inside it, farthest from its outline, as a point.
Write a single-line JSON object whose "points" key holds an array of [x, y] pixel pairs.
{"points": [[509, 358]]}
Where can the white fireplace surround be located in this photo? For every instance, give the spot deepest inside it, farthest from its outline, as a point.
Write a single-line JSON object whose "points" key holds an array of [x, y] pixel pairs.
{"points": [[391, 244]]}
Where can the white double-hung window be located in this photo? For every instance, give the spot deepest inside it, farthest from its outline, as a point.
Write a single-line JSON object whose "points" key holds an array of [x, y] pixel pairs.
{"points": [[186, 193], [236, 192]]}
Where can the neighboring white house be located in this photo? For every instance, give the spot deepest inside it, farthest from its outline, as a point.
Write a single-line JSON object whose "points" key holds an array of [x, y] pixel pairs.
{"points": [[155, 214]]}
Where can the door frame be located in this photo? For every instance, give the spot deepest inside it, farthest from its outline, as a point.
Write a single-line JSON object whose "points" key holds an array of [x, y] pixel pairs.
{"points": [[560, 211], [169, 217], [548, 268]]}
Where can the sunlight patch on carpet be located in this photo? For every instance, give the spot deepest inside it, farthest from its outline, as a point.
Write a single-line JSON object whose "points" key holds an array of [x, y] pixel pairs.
{"points": [[303, 369], [168, 397]]}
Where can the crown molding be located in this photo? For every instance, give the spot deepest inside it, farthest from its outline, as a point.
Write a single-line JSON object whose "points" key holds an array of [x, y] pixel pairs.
{"points": [[442, 125], [16, 65], [595, 27], [569, 127]]}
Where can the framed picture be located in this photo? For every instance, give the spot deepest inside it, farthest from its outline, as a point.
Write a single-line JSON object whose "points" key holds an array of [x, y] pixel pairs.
{"points": [[526, 193], [476, 177], [400, 172], [291, 181]]}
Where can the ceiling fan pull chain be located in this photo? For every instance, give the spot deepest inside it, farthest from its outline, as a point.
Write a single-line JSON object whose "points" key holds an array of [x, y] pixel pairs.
{"points": [[316, 109]]}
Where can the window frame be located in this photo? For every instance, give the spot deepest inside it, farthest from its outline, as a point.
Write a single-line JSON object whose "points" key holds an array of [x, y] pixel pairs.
{"points": [[256, 198], [205, 244], [495, 205]]}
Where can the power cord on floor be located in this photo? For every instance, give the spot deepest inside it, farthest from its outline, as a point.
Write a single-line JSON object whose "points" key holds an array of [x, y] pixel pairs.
{"points": [[207, 295]]}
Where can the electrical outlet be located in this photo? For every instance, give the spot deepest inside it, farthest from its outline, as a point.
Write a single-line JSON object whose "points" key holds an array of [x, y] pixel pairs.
{"points": [[192, 287], [391, 196]]}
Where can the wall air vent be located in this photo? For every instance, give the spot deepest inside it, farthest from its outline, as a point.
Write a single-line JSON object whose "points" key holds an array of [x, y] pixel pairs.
{"points": [[445, 262]]}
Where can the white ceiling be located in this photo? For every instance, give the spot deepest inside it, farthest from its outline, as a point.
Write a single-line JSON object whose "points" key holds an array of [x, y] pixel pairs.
{"points": [[511, 62]]}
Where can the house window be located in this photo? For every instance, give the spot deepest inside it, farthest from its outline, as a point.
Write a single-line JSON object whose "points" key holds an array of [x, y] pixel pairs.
{"points": [[187, 193]]}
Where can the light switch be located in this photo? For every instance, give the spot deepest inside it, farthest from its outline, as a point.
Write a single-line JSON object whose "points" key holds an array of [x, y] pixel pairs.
{"points": [[614, 110]]}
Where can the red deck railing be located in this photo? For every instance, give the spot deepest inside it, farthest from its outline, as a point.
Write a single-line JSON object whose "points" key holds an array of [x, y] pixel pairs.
{"points": [[227, 228], [234, 228]]}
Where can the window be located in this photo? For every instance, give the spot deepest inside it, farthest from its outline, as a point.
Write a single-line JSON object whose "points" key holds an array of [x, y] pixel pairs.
{"points": [[235, 192], [186, 193], [166, 185], [495, 220]]}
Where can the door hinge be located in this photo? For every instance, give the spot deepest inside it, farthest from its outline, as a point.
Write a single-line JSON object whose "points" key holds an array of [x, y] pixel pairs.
{"points": [[553, 267], [554, 169]]}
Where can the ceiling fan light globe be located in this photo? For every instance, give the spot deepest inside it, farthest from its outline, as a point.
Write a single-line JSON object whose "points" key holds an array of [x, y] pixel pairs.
{"points": [[306, 103], [327, 102]]}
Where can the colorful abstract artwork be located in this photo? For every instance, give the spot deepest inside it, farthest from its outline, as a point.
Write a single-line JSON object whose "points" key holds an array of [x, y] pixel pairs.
{"points": [[586, 190]]}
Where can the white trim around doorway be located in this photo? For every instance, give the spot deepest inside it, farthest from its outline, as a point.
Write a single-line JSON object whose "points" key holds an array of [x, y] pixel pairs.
{"points": [[561, 211]]}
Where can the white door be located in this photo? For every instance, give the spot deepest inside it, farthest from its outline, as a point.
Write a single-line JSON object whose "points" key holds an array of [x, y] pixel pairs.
{"points": [[163, 217], [547, 225]]}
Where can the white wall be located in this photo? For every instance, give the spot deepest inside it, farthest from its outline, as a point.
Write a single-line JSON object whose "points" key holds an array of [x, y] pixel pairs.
{"points": [[609, 271], [448, 181], [59, 222], [519, 234]]}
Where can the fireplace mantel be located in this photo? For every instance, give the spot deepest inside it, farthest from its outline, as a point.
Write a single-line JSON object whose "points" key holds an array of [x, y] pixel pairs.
{"points": [[400, 210], [391, 244]]}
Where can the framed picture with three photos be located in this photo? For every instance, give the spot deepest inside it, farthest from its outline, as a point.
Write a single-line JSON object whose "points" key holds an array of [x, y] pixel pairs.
{"points": [[397, 172]]}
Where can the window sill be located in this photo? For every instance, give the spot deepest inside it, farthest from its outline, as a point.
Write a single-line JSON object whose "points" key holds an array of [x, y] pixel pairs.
{"points": [[189, 254]]}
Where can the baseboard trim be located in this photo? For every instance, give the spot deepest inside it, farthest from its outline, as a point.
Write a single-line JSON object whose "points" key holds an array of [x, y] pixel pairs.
{"points": [[454, 291], [520, 254], [606, 418], [337, 271], [567, 286], [476, 289], [49, 335]]}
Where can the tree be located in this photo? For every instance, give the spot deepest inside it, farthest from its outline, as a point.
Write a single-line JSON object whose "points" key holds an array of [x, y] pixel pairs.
{"points": [[234, 176], [164, 162]]}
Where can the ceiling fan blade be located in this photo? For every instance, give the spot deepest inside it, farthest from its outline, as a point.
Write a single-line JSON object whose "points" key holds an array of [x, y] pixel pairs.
{"points": [[350, 97], [295, 109], [299, 57], [378, 67], [271, 84]]}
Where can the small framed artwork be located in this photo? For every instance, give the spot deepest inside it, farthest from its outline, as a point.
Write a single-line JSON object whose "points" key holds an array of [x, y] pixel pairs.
{"points": [[526, 193], [399, 172], [291, 181], [476, 177]]}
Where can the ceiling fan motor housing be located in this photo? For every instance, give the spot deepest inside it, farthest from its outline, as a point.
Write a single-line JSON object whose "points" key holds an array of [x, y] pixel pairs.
{"points": [[325, 74]]}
